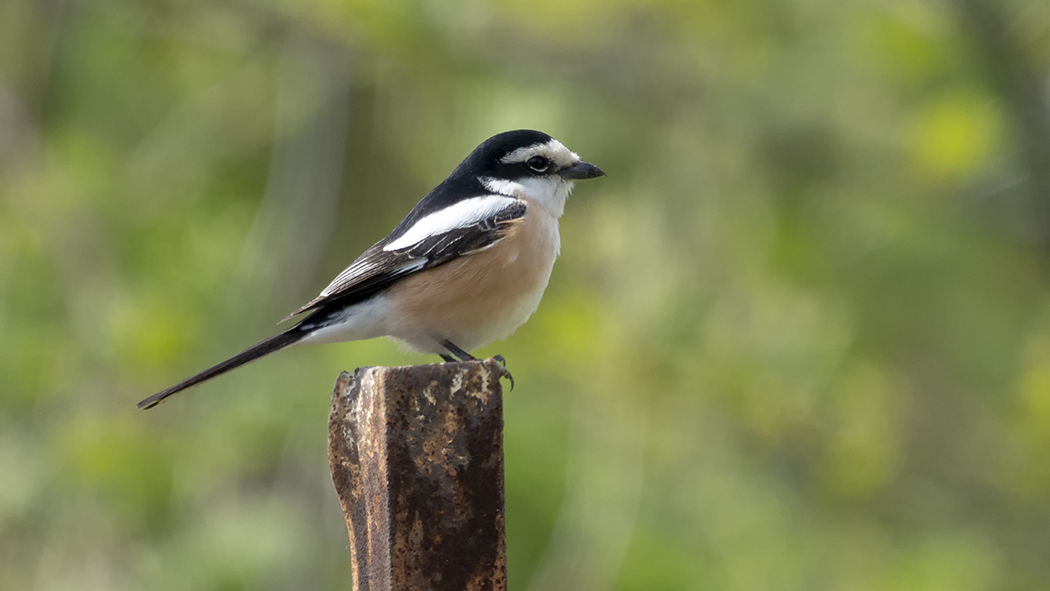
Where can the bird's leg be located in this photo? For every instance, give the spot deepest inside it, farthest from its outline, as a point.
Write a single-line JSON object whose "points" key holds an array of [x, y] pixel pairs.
{"points": [[464, 356], [447, 358], [452, 348]]}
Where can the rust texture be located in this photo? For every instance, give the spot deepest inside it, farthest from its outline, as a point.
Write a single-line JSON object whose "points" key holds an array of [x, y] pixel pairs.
{"points": [[417, 459]]}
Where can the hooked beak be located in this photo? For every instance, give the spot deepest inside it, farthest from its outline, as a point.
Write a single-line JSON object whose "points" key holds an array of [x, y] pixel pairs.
{"points": [[581, 170]]}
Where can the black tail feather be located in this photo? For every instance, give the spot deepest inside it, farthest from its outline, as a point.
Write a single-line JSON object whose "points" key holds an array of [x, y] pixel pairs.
{"points": [[260, 349]]}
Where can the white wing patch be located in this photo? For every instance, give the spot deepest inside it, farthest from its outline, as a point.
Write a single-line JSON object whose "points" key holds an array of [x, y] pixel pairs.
{"points": [[458, 215]]}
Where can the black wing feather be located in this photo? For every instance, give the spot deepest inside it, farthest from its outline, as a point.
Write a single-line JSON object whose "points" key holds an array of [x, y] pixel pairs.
{"points": [[376, 269]]}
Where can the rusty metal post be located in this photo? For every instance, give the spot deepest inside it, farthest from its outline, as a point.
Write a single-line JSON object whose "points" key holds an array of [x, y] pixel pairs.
{"points": [[417, 459]]}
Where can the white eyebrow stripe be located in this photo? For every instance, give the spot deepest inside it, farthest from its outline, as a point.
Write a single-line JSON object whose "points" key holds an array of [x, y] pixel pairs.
{"points": [[552, 148], [458, 215]]}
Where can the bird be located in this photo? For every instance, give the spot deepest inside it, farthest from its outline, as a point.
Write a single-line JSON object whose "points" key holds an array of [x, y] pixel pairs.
{"points": [[466, 267]]}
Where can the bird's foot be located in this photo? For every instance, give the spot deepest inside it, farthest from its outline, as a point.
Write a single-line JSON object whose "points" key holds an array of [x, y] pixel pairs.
{"points": [[503, 371]]}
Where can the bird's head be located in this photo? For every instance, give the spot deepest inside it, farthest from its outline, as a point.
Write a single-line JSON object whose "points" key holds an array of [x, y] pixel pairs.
{"points": [[529, 165]]}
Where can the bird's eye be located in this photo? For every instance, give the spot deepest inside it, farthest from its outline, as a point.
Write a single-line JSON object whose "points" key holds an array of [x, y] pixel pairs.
{"points": [[538, 163]]}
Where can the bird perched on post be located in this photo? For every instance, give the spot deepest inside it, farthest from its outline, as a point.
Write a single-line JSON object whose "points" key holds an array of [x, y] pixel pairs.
{"points": [[465, 268]]}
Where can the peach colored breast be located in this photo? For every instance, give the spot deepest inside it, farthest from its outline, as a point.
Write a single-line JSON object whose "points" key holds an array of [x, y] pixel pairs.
{"points": [[492, 291]]}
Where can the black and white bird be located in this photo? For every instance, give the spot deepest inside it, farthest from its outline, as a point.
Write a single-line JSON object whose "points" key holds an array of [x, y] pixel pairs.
{"points": [[465, 268]]}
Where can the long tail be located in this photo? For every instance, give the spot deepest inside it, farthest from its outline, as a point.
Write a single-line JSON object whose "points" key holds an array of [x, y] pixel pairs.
{"points": [[260, 349]]}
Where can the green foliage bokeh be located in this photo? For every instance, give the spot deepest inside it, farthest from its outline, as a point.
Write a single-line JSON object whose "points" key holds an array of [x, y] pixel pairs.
{"points": [[798, 339]]}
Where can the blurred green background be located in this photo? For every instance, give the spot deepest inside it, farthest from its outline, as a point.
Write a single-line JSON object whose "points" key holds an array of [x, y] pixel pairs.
{"points": [[799, 338]]}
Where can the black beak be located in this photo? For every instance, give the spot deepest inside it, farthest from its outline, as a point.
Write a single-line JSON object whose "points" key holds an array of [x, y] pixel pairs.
{"points": [[581, 170]]}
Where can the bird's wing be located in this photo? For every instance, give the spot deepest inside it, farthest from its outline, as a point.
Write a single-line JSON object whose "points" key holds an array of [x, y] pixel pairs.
{"points": [[467, 227]]}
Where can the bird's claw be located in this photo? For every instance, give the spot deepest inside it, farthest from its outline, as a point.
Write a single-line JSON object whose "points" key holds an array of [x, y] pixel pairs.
{"points": [[503, 371]]}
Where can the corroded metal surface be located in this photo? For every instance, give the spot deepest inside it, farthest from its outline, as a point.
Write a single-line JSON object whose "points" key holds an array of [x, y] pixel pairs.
{"points": [[417, 459]]}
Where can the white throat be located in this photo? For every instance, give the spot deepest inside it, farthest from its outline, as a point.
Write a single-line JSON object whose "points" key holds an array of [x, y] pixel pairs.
{"points": [[549, 192]]}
